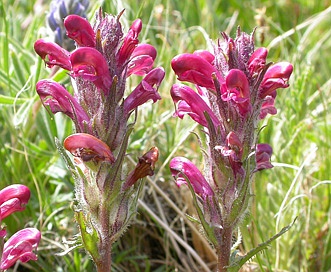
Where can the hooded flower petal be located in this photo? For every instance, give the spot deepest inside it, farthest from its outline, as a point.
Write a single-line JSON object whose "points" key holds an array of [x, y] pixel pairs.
{"points": [[20, 247], [13, 198], [146, 90], [145, 167], [80, 30], [263, 154], [88, 147], [142, 60], [55, 96], [181, 167], [277, 76], [195, 69], [52, 54], [192, 104], [130, 42], [90, 64]]}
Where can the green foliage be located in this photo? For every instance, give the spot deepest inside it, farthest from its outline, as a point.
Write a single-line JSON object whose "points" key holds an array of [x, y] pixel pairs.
{"points": [[298, 186]]}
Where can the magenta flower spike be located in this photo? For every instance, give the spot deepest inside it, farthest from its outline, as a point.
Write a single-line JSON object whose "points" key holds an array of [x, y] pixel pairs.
{"points": [[53, 54], [80, 30], [55, 96], [180, 166], [13, 198], [88, 147], [235, 89], [20, 246], [100, 108], [191, 103]]}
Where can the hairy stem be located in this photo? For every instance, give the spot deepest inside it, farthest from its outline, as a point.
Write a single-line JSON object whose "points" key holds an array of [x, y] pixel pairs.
{"points": [[224, 249]]}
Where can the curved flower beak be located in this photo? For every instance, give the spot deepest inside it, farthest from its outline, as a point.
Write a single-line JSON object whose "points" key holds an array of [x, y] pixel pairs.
{"points": [[90, 64], [145, 167], [80, 30], [53, 54], [195, 69], [20, 247], [55, 96], [263, 154], [181, 167], [277, 76], [130, 42], [192, 104], [88, 147], [13, 198], [146, 90]]}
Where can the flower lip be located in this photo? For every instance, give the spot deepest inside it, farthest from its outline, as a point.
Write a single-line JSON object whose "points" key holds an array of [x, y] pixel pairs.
{"points": [[88, 147]]}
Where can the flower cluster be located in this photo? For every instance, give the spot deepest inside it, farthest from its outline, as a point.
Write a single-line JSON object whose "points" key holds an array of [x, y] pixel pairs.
{"points": [[100, 109], [21, 245], [236, 88]]}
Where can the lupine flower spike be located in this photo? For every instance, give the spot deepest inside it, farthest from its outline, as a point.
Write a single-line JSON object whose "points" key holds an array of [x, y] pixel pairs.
{"points": [[235, 89], [104, 58]]}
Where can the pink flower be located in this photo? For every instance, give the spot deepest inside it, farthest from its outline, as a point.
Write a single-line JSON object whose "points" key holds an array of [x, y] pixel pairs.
{"points": [[130, 42], [145, 91], [195, 68], [80, 30], [13, 198], [236, 88], [277, 76], [20, 247], [142, 60], [53, 54], [88, 147], [191, 103], [181, 167], [263, 154], [90, 64], [55, 96]]}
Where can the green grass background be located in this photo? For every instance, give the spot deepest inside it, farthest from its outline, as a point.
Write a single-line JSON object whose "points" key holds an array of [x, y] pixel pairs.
{"points": [[161, 238]]}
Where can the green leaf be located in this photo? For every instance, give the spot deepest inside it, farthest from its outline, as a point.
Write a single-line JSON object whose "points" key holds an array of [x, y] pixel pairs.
{"points": [[238, 261]]}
